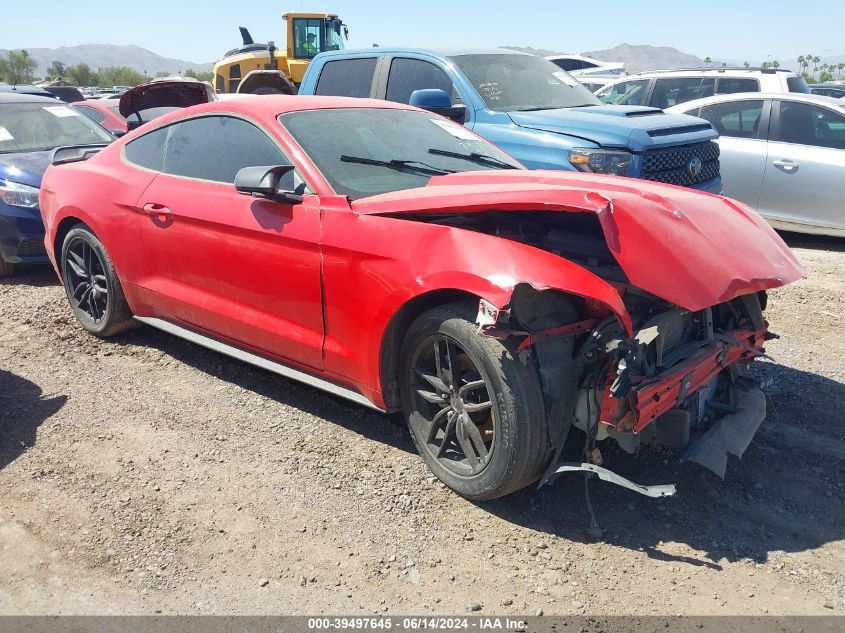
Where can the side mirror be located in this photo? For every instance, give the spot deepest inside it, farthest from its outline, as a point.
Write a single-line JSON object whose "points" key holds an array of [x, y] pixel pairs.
{"points": [[277, 182], [437, 101]]}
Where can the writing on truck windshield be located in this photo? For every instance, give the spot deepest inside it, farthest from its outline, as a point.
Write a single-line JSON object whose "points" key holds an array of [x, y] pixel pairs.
{"points": [[509, 83]]}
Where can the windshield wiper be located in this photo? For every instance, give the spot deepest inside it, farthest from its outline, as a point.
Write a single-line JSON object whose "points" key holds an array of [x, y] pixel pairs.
{"points": [[401, 165], [475, 157]]}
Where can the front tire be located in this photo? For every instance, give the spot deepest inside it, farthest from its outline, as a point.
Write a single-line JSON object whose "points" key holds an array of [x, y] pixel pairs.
{"points": [[474, 406], [93, 289]]}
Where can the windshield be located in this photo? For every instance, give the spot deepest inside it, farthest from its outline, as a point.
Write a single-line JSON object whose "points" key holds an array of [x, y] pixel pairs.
{"points": [[32, 127], [509, 83], [367, 151]]}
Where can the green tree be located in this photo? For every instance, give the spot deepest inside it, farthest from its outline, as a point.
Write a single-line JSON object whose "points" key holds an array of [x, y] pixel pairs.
{"points": [[201, 75], [120, 76], [775, 64], [707, 61], [816, 60], [81, 75], [17, 67], [56, 70], [746, 64], [801, 63]]}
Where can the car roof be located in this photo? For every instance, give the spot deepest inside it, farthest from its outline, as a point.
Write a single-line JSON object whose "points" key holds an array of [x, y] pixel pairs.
{"points": [[713, 71], [264, 107], [743, 96], [443, 52], [22, 97]]}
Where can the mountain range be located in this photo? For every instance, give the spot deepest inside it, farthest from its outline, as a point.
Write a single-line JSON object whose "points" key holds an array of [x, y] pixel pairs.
{"points": [[642, 58], [105, 55], [637, 58]]}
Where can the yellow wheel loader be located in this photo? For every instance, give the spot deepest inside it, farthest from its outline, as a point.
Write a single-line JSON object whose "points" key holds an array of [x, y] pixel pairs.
{"points": [[263, 68]]}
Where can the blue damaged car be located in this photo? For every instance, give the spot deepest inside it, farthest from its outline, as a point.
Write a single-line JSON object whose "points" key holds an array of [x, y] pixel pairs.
{"points": [[30, 127], [530, 108]]}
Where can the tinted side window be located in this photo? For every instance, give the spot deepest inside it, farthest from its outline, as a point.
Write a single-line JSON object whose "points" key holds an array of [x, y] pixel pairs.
{"points": [[797, 84], [95, 115], [626, 93], [806, 124], [347, 78], [407, 75], [148, 150], [740, 119], [730, 85], [217, 147], [568, 64], [671, 91]]}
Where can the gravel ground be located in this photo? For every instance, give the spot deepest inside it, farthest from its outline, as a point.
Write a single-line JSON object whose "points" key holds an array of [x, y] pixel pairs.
{"points": [[146, 475]]}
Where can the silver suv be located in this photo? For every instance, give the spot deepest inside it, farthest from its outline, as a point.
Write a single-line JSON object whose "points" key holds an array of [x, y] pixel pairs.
{"points": [[667, 88]]}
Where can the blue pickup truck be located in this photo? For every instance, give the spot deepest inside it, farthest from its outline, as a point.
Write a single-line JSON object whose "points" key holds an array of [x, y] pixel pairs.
{"points": [[530, 108]]}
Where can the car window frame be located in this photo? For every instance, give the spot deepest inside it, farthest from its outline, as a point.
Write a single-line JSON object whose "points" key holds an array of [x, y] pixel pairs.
{"points": [[649, 81], [701, 79], [774, 127], [763, 129], [403, 58], [309, 189], [456, 77], [88, 109], [722, 78], [373, 81]]}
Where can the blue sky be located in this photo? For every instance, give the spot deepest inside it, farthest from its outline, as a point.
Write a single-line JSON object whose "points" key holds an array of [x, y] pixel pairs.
{"points": [[191, 30]]}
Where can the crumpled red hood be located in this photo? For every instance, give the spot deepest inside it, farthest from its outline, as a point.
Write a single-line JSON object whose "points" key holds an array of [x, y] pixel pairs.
{"points": [[690, 248]]}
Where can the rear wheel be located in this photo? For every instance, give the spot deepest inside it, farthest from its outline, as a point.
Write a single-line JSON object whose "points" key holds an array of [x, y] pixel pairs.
{"points": [[91, 284], [474, 408]]}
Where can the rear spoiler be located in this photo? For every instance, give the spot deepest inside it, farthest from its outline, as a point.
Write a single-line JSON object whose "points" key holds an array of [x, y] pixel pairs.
{"points": [[74, 153]]}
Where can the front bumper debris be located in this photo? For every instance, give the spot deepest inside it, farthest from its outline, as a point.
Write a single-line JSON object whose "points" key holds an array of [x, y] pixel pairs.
{"points": [[608, 475], [732, 433]]}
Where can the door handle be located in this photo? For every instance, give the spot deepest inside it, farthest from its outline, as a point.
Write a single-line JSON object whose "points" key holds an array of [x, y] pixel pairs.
{"points": [[786, 164], [158, 210]]}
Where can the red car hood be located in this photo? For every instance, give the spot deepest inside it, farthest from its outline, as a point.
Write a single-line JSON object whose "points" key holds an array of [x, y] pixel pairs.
{"points": [[690, 248]]}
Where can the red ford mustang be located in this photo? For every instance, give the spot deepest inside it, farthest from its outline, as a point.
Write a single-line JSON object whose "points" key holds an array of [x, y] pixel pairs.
{"points": [[394, 258]]}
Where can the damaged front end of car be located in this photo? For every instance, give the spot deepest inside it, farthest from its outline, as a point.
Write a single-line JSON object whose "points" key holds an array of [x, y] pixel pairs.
{"points": [[655, 343], [682, 379]]}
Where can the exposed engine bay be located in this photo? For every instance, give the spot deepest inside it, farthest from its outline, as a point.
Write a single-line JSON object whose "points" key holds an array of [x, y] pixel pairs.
{"points": [[682, 380]]}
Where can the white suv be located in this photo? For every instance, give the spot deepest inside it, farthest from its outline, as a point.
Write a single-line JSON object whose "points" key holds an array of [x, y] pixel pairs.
{"points": [[667, 88]]}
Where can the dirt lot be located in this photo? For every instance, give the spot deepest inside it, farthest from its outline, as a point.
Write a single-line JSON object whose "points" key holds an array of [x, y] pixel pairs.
{"points": [[146, 475]]}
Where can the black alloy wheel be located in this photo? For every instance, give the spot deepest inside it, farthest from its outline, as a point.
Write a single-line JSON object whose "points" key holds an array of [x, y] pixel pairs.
{"points": [[86, 280], [456, 414]]}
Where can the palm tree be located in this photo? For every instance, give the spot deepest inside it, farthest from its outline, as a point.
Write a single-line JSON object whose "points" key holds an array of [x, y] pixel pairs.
{"points": [[707, 61], [746, 64], [775, 64], [816, 60], [801, 63]]}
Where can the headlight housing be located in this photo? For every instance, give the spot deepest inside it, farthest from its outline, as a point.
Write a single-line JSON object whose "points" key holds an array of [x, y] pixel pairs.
{"points": [[615, 162], [17, 195]]}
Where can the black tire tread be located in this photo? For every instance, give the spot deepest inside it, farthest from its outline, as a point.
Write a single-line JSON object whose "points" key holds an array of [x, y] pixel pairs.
{"points": [[530, 451], [121, 318]]}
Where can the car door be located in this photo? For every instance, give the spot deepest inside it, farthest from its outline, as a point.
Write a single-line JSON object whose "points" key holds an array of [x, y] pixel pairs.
{"points": [[246, 269], [804, 185], [742, 127]]}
